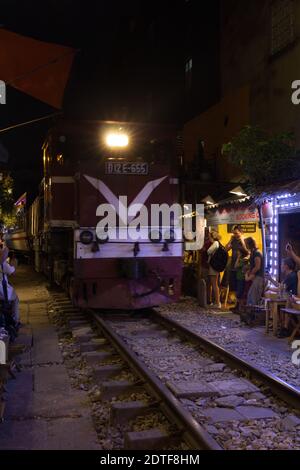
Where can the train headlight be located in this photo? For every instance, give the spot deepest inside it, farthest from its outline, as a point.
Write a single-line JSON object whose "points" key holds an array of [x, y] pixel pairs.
{"points": [[86, 237], [117, 140], [155, 236], [169, 236]]}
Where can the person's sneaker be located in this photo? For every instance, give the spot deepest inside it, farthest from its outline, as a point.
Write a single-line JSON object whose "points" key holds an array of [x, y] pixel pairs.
{"points": [[219, 305]]}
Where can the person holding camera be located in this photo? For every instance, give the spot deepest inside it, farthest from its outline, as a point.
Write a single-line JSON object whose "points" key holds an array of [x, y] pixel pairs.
{"points": [[296, 258]]}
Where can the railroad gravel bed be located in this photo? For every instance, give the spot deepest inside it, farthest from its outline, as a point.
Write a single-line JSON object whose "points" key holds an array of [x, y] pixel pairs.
{"points": [[250, 419], [229, 334], [111, 436]]}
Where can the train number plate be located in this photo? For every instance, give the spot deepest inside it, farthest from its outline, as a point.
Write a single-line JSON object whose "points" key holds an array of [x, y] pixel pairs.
{"points": [[126, 168]]}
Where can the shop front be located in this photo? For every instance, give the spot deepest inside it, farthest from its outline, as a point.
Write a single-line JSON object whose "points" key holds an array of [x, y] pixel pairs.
{"points": [[225, 217], [281, 215]]}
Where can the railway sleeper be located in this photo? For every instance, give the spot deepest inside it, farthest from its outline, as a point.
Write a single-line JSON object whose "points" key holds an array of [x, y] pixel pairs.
{"points": [[63, 304], [101, 373], [94, 344], [94, 357], [149, 332], [74, 313], [121, 413], [151, 439], [116, 388], [84, 338], [75, 323]]}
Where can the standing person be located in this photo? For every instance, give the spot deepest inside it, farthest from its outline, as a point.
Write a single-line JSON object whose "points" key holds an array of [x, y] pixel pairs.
{"points": [[237, 242], [256, 273], [240, 266], [214, 275], [7, 269], [204, 265]]}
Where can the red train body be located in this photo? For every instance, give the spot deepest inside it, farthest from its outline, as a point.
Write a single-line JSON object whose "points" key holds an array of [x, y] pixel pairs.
{"points": [[80, 174]]}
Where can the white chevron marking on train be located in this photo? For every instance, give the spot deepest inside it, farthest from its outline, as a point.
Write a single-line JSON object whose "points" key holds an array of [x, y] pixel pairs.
{"points": [[112, 199]]}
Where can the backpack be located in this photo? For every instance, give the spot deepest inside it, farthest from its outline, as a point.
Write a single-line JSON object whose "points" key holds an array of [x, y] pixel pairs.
{"points": [[219, 259]]}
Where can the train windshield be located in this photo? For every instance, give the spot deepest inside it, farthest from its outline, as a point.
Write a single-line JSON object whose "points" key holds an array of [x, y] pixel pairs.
{"points": [[131, 143]]}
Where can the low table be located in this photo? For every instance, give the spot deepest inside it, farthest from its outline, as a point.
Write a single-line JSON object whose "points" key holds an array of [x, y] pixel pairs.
{"points": [[272, 307], [295, 313]]}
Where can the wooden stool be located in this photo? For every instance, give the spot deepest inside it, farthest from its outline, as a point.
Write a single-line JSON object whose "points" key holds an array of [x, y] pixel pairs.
{"points": [[296, 314]]}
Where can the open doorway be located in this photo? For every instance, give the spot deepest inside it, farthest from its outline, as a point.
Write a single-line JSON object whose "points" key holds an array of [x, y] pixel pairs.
{"points": [[289, 232]]}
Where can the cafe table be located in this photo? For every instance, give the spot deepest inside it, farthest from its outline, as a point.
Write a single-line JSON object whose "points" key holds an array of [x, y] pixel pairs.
{"points": [[272, 308]]}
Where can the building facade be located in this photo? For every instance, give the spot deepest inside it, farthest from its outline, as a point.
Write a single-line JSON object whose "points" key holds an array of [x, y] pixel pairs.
{"points": [[259, 61]]}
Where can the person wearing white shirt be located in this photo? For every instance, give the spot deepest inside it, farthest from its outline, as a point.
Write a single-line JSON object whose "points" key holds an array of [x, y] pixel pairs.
{"points": [[6, 270]]}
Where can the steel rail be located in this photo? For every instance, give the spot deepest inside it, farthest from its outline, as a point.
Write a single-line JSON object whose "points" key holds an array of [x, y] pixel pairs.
{"points": [[282, 389], [192, 433]]}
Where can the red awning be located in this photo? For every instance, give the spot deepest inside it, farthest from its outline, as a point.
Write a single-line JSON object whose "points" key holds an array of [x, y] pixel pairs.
{"points": [[37, 68]]}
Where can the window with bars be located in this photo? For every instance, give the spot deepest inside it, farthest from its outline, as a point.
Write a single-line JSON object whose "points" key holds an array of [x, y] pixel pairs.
{"points": [[283, 32]]}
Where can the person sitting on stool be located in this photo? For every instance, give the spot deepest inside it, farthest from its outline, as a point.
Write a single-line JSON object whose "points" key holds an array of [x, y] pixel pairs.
{"points": [[7, 269]]}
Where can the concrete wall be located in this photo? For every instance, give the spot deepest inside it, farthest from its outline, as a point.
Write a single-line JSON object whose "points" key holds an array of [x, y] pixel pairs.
{"points": [[215, 127], [255, 85]]}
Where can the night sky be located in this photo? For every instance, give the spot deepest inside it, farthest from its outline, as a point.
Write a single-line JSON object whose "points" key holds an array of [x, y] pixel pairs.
{"points": [[95, 89]]}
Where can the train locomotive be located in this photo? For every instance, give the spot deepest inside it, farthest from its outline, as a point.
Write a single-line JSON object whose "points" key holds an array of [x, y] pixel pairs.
{"points": [[90, 166]]}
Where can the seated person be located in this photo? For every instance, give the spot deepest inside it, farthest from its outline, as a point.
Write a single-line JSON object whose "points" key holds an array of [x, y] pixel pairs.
{"points": [[290, 283], [292, 254], [7, 269]]}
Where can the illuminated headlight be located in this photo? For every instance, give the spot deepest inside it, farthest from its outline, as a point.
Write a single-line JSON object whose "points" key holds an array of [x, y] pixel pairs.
{"points": [[155, 236], [169, 236], [117, 140], [86, 237]]}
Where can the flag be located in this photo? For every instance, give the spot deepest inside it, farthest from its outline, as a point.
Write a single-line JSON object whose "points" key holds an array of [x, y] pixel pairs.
{"points": [[40, 69]]}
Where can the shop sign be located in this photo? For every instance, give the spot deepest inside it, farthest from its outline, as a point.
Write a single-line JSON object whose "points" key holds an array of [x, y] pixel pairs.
{"points": [[227, 217], [247, 228]]}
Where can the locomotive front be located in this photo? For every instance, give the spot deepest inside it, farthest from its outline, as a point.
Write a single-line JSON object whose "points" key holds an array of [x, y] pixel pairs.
{"points": [[127, 246]]}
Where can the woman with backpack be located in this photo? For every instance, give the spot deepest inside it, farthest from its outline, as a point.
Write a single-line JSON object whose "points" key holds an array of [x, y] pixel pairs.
{"points": [[213, 274]]}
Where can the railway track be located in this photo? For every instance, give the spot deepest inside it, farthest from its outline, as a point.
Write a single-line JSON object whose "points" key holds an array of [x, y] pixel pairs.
{"points": [[282, 389], [185, 375], [109, 355]]}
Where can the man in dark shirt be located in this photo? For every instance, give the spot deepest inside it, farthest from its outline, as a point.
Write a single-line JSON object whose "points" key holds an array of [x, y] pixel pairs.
{"points": [[236, 243], [290, 278], [291, 286]]}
